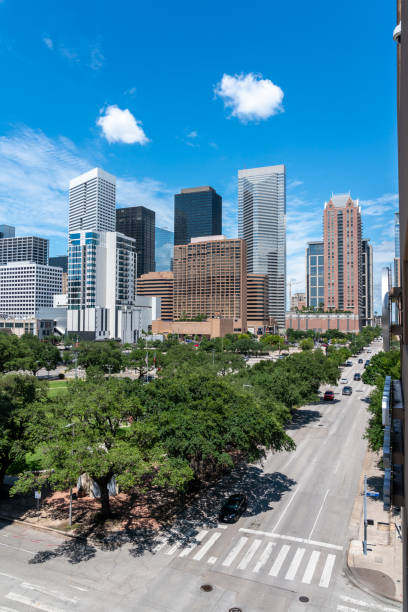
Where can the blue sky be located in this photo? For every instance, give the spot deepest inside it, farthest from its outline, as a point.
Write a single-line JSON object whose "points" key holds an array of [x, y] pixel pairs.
{"points": [[171, 95]]}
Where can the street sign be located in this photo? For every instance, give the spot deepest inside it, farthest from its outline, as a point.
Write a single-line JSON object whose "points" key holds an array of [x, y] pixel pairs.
{"points": [[37, 494], [372, 494]]}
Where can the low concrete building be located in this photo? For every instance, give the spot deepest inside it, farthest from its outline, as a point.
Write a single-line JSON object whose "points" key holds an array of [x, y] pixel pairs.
{"points": [[43, 328], [321, 322], [211, 328]]}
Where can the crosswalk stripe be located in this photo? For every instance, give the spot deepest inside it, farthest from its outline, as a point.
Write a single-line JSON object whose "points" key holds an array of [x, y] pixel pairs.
{"points": [[294, 566], [173, 549], [364, 604], [249, 554], [234, 552], [199, 537], [341, 608], [264, 557], [275, 569], [32, 603], [327, 571], [204, 549], [311, 566]]}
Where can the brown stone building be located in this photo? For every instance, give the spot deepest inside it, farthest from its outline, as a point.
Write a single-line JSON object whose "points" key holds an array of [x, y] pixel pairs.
{"points": [[321, 322], [210, 279], [158, 284], [298, 301], [342, 254]]}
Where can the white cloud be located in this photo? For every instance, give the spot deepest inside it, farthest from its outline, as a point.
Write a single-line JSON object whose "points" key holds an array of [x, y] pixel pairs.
{"points": [[130, 92], [97, 58], [120, 126], [379, 206], [48, 42], [192, 134], [250, 97]]}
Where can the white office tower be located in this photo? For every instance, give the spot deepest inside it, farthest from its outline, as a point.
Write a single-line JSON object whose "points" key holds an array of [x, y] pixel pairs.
{"points": [[101, 287], [26, 286], [92, 202], [262, 224]]}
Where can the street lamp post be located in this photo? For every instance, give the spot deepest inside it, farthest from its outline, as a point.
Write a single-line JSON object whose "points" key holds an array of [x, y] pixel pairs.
{"points": [[70, 489], [367, 494], [109, 368]]}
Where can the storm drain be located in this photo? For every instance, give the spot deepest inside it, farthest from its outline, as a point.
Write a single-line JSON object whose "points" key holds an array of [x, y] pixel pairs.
{"points": [[206, 587], [235, 610], [303, 599]]}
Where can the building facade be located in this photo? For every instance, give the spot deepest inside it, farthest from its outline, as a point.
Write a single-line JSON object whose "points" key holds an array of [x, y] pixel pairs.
{"points": [[298, 301], [321, 322], [262, 224], [92, 202], [210, 280], [158, 284], [342, 254], [367, 304], [258, 320], [139, 222], [164, 249], [36, 326], [24, 248], [397, 259], [61, 261], [315, 274], [26, 286], [197, 213], [7, 231]]}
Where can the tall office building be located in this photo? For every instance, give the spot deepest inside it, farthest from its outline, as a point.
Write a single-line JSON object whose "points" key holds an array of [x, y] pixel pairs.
{"points": [[26, 286], [342, 254], [60, 261], [159, 284], [138, 222], [197, 213], [397, 257], [164, 249], [257, 303], [262, 224], [367, 303], [24, 248], [7, 231], [210, 279], [92, 202], [315, 274]]}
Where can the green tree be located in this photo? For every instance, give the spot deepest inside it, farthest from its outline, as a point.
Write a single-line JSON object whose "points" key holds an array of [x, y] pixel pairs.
{"points": [[142, 361], [9, 351], [105, 355], [35, 354], [307, 344], [18, 397]]}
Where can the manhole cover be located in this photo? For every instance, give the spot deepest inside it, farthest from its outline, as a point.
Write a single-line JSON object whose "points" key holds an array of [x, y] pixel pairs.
{"points": [[235, 610], [206, 587], [303, 599]]}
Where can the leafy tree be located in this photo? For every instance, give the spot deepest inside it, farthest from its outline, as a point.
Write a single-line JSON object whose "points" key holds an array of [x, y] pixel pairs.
{"points": [[9, 351], [273, 340], [18, 397], [34, 354], [106, 356], [142, 361], [102, 443], [382, 365], [307, 344]]}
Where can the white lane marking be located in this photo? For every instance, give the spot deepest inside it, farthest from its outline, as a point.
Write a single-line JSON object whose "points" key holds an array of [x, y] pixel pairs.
{"points": [[212, 560], [40, 589], [364, 604], [10, 576], [264, 557], [204, 549], [341, 608], [234, 552], [4, 609], [291, 538], [199, 537], [311, 566], [222, 526], [327, 571], [173, 549], [31, 602], [31, 552], [79, 588], [286, 509], [318, 514], [294, 566], [249, 554], [275, 569]]}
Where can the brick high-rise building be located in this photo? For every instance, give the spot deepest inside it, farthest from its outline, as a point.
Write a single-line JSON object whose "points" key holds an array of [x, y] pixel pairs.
{"points": [[342, 254], [158, 284], [210, 279]]}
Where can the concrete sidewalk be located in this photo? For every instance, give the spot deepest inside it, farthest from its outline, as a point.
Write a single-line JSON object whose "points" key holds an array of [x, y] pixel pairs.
{"points": [[380, 571]]}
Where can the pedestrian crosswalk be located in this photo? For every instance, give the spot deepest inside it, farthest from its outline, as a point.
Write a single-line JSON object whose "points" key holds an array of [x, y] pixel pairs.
{"points": [[350, 604], [268, 559]]}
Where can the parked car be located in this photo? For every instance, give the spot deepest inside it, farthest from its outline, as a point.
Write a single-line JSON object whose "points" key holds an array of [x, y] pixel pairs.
{"points": [[347, 390], [349, 364], [357, 376], [361, 360], [232, 508], [367, 362], [343, 380], [328, 396]]}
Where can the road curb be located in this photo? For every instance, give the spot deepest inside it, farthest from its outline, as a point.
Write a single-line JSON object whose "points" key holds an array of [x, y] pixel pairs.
{"points": [[10, 519]]}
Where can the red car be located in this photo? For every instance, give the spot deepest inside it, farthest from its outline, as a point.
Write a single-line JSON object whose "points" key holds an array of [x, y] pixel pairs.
{"points": [[328, 396]]}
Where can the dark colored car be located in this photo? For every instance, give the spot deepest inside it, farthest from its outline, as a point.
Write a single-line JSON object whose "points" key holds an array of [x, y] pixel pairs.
{"points": [[232, 508], [367, 362], [328, 396], [357, 376], [361, 360], [347, 390], [349, 364]]}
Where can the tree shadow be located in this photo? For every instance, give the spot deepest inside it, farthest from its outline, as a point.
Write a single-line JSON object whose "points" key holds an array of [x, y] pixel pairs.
{"points": [[75, 551], [376, 483], [300, 418]]}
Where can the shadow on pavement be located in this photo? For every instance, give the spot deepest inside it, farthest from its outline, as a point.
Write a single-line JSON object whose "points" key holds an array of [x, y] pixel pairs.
{"points": [[300, 418]]}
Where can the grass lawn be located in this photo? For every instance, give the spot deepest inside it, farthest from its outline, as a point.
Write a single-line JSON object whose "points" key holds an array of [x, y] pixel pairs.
{"points": [[56, 387]]}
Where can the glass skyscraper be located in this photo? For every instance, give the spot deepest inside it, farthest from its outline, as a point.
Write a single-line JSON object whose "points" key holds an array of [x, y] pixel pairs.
{"points": [[139, 222], [197, 212], [164, 249], [315, 274], [262, 224]]}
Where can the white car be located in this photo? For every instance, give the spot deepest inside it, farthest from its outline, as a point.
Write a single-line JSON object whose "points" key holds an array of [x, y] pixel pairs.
{"points": [[368, 350], [343, 380]]}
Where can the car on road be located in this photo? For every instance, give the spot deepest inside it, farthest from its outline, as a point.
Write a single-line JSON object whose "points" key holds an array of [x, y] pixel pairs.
{"points": [[357, 376], [328, 396], [343, 380], [361, 360], [368, 350], [367, 362], [232, 508], [349, 364], [347, 390]]}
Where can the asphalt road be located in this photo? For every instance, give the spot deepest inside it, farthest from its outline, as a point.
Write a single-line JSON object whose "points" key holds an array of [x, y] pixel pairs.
{"points": [[290, 544]]}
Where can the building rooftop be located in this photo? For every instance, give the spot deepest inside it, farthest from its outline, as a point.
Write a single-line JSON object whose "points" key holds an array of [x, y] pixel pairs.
{"points": [[91, 174], [209, 238], [262, 170], [197, 189]]}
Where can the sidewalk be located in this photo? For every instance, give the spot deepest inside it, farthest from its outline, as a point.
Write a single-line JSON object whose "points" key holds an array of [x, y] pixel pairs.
{"points": [[380, 571]]}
